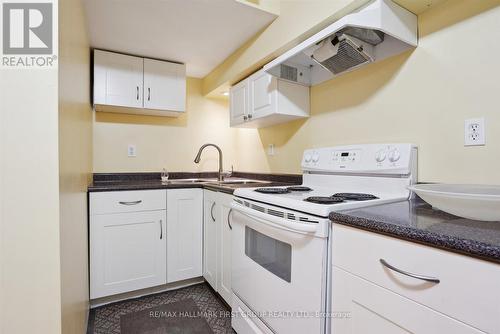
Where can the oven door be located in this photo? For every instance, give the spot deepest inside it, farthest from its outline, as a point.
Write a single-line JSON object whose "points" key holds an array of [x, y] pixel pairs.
{"points": [[279, 270]]}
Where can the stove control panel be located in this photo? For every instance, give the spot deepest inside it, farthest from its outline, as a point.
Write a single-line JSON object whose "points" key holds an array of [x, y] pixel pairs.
{"points": [[369, 158]]}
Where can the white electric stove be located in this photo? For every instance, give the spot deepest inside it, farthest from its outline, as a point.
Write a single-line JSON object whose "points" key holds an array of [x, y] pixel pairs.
{"points": [[280, 234]]}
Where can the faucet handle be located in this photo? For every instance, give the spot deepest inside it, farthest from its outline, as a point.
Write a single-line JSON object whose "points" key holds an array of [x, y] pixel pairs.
{"points": [[164, 175], [227, 173]]}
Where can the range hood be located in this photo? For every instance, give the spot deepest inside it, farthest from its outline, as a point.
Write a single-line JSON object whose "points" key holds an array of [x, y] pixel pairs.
{"points": [[378, 30]]}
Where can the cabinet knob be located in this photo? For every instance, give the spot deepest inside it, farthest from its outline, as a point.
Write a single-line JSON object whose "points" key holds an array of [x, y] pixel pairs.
{"points": [[250, 116], [245, 117]]}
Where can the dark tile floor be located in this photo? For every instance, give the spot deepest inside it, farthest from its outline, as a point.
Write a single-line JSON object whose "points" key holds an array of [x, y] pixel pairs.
{"points": [[106, 319]]}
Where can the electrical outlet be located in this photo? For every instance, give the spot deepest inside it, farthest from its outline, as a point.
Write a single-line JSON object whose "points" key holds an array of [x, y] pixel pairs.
{"points": [[474, 132], [132, 151]]}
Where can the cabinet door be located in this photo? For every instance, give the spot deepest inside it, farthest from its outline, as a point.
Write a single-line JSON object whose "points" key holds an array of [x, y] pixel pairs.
{"points": [[262, 90], [127, 252], [210, 216], [238, 95], [224, 244], [164, 85], [372, 309], [184, 233], [117, 79]]}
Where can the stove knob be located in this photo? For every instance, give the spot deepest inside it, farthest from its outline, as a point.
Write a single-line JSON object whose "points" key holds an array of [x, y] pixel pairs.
{"points": [[315, 157], [394, 155], [307, 158], [380, 156]]}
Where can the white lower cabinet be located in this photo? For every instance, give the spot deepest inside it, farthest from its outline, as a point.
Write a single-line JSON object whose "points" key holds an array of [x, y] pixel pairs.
{"points": [[224, 246], [127, 249], [210, 237], [374, 309], [184, 233], [217, 243], [378, 299]]}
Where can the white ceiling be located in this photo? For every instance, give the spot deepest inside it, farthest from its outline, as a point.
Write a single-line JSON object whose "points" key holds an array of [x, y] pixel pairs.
{"points": [[200, 33]]}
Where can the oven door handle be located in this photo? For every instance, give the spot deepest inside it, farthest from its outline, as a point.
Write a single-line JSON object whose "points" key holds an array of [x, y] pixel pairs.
{"points": [[280, 223]]}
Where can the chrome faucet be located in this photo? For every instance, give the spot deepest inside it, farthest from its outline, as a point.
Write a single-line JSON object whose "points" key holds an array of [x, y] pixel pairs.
{"points": [[198, 157]]}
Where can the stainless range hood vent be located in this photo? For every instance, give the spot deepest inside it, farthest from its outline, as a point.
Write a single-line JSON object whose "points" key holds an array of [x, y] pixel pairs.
{"points": [[376, 31], [288, 72], [342, 54]]}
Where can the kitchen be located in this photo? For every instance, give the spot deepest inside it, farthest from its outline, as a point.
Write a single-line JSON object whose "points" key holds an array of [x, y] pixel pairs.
{"points": [[88, 155]]}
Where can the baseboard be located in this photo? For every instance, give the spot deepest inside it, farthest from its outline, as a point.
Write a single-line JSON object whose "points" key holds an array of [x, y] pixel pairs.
{"points": [[144, 292]]}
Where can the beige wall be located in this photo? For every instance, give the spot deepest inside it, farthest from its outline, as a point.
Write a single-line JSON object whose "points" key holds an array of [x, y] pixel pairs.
{"points": [[29, 211], [421, 97], [298, 19], [75, 163], [171, 143]]}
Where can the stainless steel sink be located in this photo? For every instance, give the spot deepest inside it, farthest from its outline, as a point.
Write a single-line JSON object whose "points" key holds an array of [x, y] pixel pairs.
{"points": [[231, 182], [227, 182], [191, 180]]}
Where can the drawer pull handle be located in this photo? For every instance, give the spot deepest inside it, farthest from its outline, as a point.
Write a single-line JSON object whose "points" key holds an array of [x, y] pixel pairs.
{"points": [[212, 211], [406, 273], [229, 219], [161, 229], [131, 203]]}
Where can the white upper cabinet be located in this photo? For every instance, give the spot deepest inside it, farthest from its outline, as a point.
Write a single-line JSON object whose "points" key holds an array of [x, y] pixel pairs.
{"points": [[138, 85], [262, 95], [263, 100], [239, 103], [117, 79], [164, 85]]}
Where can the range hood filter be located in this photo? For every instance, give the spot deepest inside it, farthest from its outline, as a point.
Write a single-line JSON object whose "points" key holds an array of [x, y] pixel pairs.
{"points": [[338, 55]]}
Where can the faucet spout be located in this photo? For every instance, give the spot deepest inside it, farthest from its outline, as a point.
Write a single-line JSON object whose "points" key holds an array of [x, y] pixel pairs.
{"points": [[198, 158]]}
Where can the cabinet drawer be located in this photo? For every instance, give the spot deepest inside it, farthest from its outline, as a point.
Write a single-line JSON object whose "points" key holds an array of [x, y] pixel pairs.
{"points": [[468, 288], [127, 201]]}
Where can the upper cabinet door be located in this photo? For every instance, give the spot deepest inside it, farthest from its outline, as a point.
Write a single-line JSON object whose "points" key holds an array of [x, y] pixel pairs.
{"points": [[262, 92], [238, 96], [164, 85], [117, 79], [263, 100]]}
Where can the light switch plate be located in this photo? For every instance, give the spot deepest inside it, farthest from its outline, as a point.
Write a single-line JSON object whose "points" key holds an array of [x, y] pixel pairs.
{"points": [[270, 150], [474, 132], [132, 151]]}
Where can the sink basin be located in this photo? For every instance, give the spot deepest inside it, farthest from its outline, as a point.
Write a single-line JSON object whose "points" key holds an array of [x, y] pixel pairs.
{"points": [[190, 180], [227, 182], [238, 182]]}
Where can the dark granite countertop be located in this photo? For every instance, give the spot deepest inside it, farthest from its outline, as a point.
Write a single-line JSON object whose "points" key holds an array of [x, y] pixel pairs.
{"points": [[147, 181], [417, 221]]}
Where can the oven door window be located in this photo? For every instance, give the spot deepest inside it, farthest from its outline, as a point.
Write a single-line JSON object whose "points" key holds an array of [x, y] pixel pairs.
{"points": [[273, 255]]}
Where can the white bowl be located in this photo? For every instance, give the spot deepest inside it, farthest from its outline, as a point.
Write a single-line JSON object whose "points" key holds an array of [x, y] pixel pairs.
{"points": [[478, 202]]}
